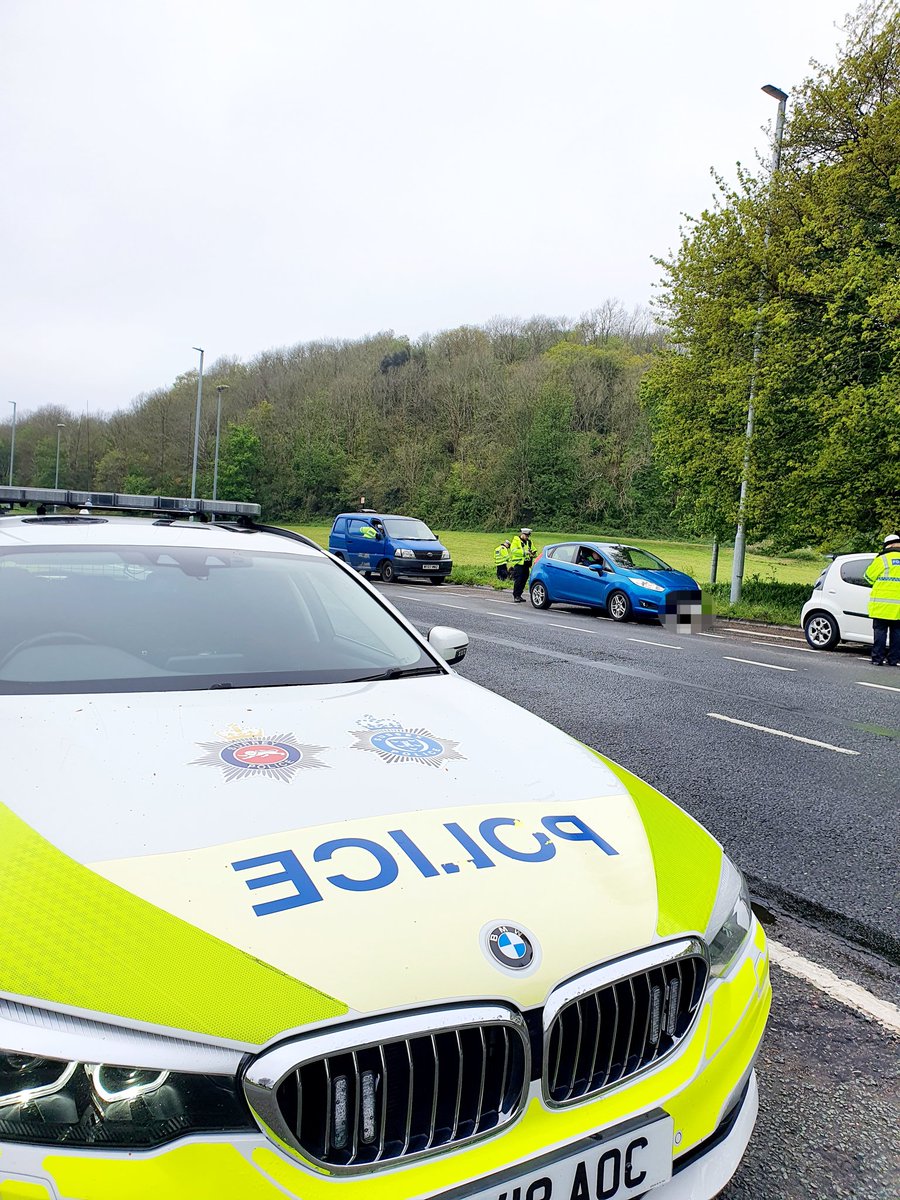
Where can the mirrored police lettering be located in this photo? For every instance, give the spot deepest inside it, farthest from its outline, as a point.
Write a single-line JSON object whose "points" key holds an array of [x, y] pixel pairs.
{"points": [[365, 865]]}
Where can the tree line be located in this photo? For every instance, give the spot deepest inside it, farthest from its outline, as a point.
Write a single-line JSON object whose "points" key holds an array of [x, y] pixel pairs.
{"points": [[537, 420], [630, 420]]}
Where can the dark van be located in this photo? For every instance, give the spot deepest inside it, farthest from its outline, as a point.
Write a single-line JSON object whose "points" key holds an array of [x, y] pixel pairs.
{"points": [[392, 545]]}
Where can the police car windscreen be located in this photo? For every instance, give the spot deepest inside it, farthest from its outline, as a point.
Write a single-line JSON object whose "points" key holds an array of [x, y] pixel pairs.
{"points": [[176, 618]]}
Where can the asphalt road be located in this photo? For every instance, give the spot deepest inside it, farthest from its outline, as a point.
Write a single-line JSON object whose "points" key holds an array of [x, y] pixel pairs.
{"points": [[811, 818]]}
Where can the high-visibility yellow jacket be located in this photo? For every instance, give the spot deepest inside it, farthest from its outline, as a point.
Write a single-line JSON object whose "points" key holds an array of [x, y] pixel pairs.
{"points": [[516, 551], [884, 576], [501, 555]]}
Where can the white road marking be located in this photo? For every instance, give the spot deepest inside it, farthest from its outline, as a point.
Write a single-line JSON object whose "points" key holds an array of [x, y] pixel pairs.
{"points": [[647, 642], [881, 686], [753, 633], [843, 990], [791, 649], [575, 628], [720, 636], [510, 617], [752, 662], [781, 733]]}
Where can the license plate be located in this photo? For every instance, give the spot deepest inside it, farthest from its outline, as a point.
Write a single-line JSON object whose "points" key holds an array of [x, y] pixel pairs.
{"points": [[602, 1169], [431, 566]]}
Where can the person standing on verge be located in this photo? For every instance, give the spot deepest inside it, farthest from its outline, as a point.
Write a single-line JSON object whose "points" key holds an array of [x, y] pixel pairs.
{"points": [[884, 603], [501, 560], [529, 551], [517, 566]]}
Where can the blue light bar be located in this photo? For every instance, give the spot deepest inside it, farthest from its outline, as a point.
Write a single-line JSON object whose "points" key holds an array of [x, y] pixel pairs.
{"points": [[170, 505]]}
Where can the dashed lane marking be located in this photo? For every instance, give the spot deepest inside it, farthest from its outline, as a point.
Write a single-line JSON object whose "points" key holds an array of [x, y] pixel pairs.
{"points": [[720, 636], [781, 733], [574, 628], [664, 645], [754, 633], [842, 990], [752, 662], [791, 649], [882, 687]]}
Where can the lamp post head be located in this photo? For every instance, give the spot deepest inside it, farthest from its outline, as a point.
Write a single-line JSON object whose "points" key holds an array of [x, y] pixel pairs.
{"points": [[60, 424], [775, 92], [222, 387]]}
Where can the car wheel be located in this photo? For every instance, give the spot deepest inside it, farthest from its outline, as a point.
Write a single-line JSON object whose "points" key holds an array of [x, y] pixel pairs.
{"points": [[619, 606], [387, 572], [821, 631], [337, 554], [367, 574], [435, 580], [539, 596]]}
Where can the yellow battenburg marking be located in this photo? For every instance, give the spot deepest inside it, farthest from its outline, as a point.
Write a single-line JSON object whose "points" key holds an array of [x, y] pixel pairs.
{"points": [[686, 858], [198, 1172], [71, 937], [15, 1189]]}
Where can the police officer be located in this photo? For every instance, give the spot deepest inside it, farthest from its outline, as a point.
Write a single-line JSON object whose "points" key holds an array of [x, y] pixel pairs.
{"points": [[521, 554], [884, 602], [501, 560]]}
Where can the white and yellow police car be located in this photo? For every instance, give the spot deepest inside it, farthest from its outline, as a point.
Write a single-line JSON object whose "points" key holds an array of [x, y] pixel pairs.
{"points": [[272, 925]]}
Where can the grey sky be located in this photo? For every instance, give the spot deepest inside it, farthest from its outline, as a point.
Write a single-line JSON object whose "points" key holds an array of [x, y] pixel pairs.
{"points": [[242, 175]]}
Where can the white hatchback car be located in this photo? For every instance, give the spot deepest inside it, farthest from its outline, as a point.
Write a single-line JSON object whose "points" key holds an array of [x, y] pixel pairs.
{"points": [[837, 610]]}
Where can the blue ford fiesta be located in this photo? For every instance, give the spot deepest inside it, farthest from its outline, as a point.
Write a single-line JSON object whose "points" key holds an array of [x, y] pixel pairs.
{"points": [[624, 580]]}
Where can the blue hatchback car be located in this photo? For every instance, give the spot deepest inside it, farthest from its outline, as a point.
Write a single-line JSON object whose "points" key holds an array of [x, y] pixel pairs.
{"points": [[624, 580]]}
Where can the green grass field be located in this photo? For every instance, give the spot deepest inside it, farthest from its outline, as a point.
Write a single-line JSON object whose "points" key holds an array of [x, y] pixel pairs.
{"points": [[774, 588]]}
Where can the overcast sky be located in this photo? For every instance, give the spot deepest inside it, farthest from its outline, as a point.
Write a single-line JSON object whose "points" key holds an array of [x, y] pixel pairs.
{"points": [[242, 175]]}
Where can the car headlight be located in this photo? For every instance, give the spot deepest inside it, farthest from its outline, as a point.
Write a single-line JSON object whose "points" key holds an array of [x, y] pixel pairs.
{"points": [[731, 918], [401, 553], [646, 583], [445, 554], [51, 1101]]}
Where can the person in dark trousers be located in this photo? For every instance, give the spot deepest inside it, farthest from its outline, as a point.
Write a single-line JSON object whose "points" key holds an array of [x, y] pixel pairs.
{"points": [[501, 560], [884, 602], [521, 556]]}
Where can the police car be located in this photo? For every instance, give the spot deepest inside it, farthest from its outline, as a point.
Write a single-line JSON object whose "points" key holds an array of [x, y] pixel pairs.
{"points": [[273, 925]]}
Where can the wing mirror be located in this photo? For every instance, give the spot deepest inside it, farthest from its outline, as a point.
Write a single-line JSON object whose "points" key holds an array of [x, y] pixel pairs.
{"points": [[451, 644], [598, 567]]}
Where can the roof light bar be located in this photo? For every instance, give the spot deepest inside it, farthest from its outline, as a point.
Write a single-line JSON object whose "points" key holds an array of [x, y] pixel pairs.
{"points": [[173, 505]]}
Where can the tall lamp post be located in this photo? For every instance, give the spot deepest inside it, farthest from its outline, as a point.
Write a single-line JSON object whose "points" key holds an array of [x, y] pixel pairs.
{"points": [[197, 425], [60, 426], [737, 570], [12, 443], [220, 388]]}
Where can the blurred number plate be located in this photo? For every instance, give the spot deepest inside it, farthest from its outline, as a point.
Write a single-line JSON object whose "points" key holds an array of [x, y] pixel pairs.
{"points": [[615, 1169], [431, 566]]}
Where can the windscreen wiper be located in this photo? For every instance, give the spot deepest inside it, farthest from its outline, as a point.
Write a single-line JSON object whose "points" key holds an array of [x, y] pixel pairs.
{"points": [[399, 673]]}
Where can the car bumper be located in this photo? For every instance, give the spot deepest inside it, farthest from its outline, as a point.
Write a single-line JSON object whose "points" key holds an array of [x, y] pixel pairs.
{"points": [[708, 1089], [414, 569]]}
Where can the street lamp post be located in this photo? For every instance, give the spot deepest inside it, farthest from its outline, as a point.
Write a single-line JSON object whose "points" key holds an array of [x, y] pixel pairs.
{"points": [[197, 425], [737, 570], [12, 443], [60, 426], [220, 388]]}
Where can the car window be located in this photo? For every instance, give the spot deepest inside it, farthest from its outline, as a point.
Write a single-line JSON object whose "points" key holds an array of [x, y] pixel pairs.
{"points": [[565, 553], [854, 570], [179, 618], [408, 527], [588, 557], [358, 524], [637, 559]]}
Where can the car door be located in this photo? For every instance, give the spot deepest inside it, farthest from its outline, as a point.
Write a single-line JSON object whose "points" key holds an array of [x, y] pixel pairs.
{"points": [[558, 565], [363, 548], [852, 596], [589, 585]]}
